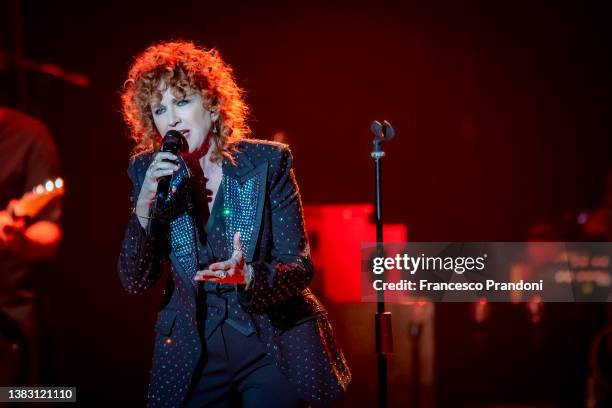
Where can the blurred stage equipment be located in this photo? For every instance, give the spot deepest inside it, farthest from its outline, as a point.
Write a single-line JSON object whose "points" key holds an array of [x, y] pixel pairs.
{"points": [[335, 233], [482, 310], [56, 71], [421, 312], [535, 309], [599, 385]]}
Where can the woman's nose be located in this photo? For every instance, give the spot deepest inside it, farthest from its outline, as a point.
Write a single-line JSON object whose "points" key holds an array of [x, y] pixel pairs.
{"points": [[173, 119]]}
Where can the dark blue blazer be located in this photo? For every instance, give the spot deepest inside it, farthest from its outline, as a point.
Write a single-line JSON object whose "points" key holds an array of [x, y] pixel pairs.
{"points": [[262, 201]]}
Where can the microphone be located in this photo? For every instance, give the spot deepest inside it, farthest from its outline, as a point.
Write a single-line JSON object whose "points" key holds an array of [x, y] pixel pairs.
{"points": [[173, 142]]}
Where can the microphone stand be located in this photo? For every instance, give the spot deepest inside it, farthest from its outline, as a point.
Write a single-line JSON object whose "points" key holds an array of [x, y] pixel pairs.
{"points": [[383, 330]]}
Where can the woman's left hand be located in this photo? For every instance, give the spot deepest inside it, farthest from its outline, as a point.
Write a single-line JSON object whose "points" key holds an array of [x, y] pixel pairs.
{"points": [[231, 271]]}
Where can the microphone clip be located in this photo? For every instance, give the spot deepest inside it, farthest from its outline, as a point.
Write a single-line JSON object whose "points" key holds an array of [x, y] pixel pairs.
{"points": [[382, 132]]}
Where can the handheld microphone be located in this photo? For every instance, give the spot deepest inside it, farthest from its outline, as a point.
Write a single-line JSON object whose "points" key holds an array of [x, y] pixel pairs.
{"points": [[174, 142]]}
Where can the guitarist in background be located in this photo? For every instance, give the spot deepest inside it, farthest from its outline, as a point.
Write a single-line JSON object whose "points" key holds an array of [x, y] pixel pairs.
{"points": [[28, 157]]}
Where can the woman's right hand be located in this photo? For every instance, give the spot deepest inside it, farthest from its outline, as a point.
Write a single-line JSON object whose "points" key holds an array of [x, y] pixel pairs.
{"points": [[157, 169]]}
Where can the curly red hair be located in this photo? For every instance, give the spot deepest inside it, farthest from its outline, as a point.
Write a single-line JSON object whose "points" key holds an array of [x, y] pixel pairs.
{"points": [[185, 68]]}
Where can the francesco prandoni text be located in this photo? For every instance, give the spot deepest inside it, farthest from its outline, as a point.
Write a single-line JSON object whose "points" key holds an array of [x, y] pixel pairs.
{"points": [[426, 285], [459, 265]]}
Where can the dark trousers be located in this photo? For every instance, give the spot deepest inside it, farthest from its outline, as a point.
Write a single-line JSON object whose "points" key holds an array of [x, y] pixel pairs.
{"points": [[239, 373]]}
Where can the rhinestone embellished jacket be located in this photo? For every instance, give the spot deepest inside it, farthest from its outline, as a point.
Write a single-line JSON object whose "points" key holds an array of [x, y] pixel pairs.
{"points": [[262, 202]]}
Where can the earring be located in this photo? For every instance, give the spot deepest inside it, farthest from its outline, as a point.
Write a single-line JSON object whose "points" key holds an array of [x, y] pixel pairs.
{"points": [[215, 129]]}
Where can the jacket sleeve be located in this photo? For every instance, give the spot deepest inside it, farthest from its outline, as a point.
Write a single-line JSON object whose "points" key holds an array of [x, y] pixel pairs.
{"points": [[139, 264], [290, 270]]}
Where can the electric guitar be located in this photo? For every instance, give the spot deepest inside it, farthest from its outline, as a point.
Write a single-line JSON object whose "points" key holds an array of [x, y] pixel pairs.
{"points": [[35, 201]]}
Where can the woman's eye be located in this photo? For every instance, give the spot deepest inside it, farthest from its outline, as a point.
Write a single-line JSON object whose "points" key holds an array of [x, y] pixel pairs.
{"points": [[159, 110], [182, 102]]}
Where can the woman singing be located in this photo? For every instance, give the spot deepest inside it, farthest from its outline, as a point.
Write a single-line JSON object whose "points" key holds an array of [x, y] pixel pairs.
{"points": [[238, 325]]}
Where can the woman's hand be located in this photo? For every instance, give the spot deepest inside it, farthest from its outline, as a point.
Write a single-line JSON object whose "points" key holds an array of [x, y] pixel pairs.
{"points": [[233, 270], [157, 169]]}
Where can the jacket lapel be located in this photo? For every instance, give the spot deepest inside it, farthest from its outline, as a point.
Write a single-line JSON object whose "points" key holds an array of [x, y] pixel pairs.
{"points": [[243, 188], [182, 234]]}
